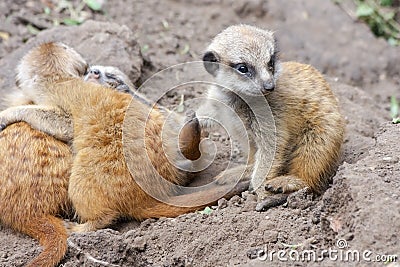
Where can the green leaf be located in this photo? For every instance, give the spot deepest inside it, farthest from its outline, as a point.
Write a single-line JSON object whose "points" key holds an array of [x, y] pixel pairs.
{"points": [[181, 106], [364, 10], [396, 120], [394, 107], [32, 29], [185, 49], [207, 211], [386, 2], [71, 22], [145, 48], [47, 10], [393, 42], [94, 4]]}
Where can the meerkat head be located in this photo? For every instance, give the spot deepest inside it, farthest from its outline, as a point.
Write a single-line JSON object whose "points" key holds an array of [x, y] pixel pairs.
{"points": [[111, 77], [251, 56], [49, 62]]}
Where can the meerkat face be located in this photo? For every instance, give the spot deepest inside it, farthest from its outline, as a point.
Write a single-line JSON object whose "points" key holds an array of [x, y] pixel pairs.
{"points": [[49, 62], [247, 58], [109, 76]]}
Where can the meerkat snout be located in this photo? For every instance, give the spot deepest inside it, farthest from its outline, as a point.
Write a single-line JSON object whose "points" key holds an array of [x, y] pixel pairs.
{"points": [[269, 85], [93, 75]]}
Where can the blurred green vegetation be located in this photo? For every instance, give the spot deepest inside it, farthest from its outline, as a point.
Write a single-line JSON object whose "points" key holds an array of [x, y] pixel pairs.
{"points": [[382, 16]]}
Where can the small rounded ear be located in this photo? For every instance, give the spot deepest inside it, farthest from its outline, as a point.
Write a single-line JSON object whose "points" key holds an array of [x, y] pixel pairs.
{"points": [[209, 60]]}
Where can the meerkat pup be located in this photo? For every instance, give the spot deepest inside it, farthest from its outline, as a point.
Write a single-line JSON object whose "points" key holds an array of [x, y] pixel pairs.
{"points": [[306, 122]]}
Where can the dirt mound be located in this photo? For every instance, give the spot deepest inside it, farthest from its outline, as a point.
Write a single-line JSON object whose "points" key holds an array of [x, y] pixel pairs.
{"points": [[360, 210]]}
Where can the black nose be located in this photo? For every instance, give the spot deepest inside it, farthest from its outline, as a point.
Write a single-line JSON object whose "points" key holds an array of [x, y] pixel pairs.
{"points": [[95, 71], [269, 85]]}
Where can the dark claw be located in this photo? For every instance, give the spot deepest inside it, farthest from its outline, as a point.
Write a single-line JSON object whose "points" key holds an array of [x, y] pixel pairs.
{"points": [[269, 188], [271, 201]]}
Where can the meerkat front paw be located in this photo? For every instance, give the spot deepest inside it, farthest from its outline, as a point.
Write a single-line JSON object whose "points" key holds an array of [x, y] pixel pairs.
{"points": [[283, 184], [74, 227]]}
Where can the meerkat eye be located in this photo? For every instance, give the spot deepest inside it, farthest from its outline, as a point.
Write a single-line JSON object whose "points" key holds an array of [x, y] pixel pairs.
{"points": [[242, 68], [271, 66], [111, 76]]}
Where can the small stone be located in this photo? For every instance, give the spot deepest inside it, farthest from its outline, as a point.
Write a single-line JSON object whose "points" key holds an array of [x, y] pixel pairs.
{"points": [[349, 236], [249, 196], [139, 243], [270, 236], [391, 160], [254, 253], [315, 220], [296, 212], [235, 200], [249, 206], [222, 203]]}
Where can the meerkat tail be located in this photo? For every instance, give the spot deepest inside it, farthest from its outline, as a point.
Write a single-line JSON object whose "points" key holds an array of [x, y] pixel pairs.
{"points": [[209, 197], [52, 235]]}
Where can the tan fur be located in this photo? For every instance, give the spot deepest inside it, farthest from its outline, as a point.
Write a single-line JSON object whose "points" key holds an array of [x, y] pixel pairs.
{"points": [[36, 168], [34, 188], [309, 126]]}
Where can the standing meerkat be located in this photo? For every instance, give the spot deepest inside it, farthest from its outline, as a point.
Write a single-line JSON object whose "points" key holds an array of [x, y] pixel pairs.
{"points": [[36, 167], [309, 126]]}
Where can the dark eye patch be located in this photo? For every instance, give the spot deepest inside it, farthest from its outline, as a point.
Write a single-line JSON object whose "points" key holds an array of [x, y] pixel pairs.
{"points": [[243, 69], [110, 76], [271, 63], [115, 82]]}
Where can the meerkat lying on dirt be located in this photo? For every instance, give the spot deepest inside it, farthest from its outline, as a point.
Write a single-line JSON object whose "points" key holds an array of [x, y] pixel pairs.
{"points": [[309, 126], [36, 167], [35, 171]]}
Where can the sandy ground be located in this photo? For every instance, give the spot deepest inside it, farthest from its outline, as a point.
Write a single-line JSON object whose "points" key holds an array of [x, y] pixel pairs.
{"points": [[359, 212]]}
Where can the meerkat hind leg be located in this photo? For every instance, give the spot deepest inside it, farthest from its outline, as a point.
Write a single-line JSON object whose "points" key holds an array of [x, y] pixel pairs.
{"points": [[91, 225]]}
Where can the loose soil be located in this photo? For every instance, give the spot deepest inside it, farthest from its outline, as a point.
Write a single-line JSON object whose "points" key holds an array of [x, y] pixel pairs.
{"points": [[360, 210]]}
